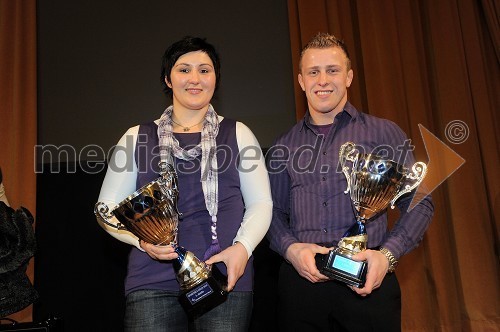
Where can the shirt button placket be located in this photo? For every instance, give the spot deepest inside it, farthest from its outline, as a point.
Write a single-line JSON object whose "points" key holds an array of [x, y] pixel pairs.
{"points": [[323, 178]]}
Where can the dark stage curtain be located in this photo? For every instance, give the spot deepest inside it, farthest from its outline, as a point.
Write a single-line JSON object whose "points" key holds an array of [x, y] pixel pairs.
{"points": [[431, 62], [18, 116]]}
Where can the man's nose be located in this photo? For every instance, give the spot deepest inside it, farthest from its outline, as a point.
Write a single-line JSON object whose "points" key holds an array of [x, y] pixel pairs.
{"points": [[322, 79]]}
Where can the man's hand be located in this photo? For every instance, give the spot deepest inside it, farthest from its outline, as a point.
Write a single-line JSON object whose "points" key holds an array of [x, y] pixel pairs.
{"points": [[301, 255], [235, 257], [377, 269], [163, 253]]}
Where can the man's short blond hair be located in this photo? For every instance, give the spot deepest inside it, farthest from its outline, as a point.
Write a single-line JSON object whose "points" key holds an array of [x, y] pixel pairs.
{"points": [[325, 40]]}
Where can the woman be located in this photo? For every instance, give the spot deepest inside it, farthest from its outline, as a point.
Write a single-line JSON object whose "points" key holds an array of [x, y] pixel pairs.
{"points": [[224, 197]]}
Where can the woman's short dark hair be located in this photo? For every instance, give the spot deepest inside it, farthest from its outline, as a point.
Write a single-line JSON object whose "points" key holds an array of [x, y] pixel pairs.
{"points": [[181, 47]]}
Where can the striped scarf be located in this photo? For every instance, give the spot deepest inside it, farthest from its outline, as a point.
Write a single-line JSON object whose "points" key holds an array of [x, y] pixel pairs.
{"points": [[169, 147]]}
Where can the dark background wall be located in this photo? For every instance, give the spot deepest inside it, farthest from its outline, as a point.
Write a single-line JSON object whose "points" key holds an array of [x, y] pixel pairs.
{"points": [[98, 74], [79, 268], [99, 62]]}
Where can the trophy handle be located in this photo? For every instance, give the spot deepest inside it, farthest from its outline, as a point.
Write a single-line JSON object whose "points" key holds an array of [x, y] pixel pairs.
{"points": [[165, 168], [169, 183], [346, 152], [419, 169], [101, 211]]}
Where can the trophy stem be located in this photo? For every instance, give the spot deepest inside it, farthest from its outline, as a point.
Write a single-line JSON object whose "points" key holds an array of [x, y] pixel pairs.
{"points": [[354, 240], [357, 229], [190, 270]]}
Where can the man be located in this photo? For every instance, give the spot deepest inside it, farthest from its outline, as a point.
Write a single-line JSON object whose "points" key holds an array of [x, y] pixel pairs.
{"points": [[311, 211]]}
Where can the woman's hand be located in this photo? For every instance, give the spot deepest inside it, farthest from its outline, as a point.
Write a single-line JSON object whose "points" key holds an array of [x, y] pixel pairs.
{"points": [[163, 253], [235, 257]]}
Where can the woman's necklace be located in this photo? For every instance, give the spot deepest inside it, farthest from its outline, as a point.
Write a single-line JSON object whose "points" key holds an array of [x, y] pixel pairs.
{"points": [[184, 128]]}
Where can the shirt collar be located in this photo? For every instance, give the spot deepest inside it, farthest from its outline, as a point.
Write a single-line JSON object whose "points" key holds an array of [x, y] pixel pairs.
{"points": [[348, 108]]}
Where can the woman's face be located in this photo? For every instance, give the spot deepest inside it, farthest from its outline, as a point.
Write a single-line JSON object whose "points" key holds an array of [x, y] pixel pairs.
{"points": [[192, 81]]}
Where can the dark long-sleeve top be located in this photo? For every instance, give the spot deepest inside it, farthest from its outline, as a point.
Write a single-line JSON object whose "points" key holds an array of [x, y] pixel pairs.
{"points": [[307, 185]]}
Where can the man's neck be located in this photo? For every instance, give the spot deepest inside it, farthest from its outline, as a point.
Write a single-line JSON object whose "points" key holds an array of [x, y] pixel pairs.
{"points": [[318, 118]]}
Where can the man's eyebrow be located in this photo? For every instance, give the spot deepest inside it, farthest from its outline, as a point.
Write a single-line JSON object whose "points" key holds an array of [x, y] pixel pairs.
{"points": [[327, 66]]}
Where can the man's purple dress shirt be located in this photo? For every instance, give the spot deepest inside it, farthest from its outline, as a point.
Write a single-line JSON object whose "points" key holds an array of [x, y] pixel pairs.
{"points": [[308, 187]]}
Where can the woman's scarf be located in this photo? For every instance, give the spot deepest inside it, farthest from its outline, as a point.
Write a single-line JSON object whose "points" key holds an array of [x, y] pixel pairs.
{"points": [[169, 147]]}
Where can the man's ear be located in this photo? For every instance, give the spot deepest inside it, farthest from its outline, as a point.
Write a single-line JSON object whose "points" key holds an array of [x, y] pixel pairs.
{"points": [[350, 75], [301, 81]]}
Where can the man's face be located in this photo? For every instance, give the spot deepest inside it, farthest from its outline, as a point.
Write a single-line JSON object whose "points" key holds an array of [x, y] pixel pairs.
{"points": [[324, 77]]}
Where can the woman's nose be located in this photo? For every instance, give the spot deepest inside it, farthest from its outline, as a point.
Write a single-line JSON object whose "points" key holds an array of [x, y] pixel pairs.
{"points": [[194, 77]]}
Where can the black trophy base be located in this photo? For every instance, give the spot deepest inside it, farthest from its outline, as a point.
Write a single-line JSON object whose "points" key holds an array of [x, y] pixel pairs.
{"points": [[341, 267], [206, 295]]}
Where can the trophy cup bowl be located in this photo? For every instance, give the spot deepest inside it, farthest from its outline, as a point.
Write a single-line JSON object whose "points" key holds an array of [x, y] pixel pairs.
{"points": [[373, 183], [151, 214]]}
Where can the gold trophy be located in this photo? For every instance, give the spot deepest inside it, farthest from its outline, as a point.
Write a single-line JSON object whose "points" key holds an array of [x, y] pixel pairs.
{"points": [[373, 183], [151, 214]]}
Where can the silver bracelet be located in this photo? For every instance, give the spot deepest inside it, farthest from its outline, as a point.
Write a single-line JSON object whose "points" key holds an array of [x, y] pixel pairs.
{"points": [[393, 262]]}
